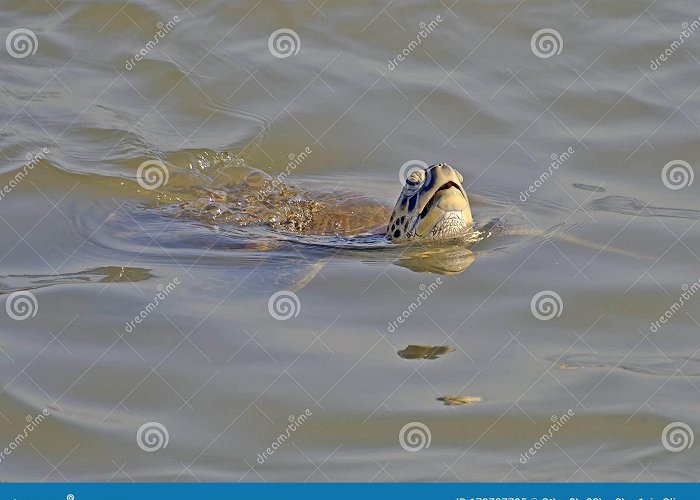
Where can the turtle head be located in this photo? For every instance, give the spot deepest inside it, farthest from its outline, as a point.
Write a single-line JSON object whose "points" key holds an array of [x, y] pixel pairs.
{"points": [[433, 205]]}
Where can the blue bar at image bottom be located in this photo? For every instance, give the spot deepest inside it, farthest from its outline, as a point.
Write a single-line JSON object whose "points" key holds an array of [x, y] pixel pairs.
{"points": [[342, 491]]}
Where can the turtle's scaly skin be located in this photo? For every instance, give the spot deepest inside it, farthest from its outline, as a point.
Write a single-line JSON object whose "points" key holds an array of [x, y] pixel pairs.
{"points": [[433, 205], [258, 199]]}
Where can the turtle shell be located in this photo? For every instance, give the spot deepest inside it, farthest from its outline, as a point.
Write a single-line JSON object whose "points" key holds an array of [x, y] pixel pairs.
{"points": [[258, 199]]}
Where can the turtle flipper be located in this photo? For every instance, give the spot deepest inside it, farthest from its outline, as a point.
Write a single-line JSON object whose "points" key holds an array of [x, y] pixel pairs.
{"points": [[569, 238], [308, 273]]}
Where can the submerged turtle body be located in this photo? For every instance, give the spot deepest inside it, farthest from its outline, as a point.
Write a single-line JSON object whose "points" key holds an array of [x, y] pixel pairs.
{"points": [[432, 215], [259, 199], [432, 209]]}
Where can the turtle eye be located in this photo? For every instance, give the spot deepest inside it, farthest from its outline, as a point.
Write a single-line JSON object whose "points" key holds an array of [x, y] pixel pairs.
{"points": [[416, 177]]}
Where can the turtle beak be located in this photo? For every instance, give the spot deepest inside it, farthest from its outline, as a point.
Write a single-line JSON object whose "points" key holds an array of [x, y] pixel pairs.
{"points": [[446, 214]]}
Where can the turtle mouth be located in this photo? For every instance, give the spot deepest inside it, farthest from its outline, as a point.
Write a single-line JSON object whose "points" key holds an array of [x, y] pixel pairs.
{"points": [[443, 216], [436, 197]]}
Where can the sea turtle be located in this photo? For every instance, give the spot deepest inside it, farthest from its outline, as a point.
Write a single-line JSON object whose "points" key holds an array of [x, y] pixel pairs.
{"points": [[431, 224], [432, 216], [433, 206]]}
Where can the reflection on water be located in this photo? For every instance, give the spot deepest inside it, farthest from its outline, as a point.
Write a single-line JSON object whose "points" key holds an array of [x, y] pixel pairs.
{"points": [[424, 351], [632, 206], [673, 366], [108, 274], [440, 261], [587, 187], [459, 400]]}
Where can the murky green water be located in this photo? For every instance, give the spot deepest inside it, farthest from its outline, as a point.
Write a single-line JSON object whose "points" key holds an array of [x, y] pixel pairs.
{"points": [[212, 368]]}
